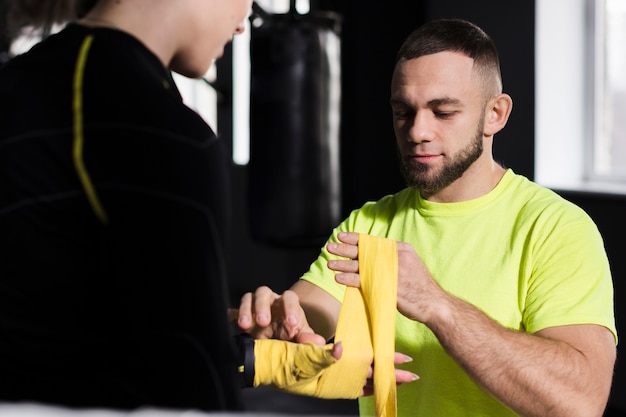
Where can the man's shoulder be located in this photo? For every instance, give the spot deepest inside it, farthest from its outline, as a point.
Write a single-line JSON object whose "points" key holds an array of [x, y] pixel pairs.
{"points": [[537, 200]]}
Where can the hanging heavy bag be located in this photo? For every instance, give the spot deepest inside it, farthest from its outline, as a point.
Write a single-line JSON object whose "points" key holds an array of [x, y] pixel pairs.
{"points": [[294, 172]]}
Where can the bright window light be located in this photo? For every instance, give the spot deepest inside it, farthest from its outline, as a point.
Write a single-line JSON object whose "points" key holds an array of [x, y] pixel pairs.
{"points": [[609, 150], [573, 111], [241, 97]]}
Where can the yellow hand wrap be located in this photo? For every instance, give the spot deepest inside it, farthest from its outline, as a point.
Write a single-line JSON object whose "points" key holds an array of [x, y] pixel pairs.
{"points": [[378, 271], [292, 367], [366, 329]]}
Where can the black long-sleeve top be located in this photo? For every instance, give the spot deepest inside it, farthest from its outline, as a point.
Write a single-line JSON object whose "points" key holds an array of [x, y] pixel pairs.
{"points": [[113, 219]]}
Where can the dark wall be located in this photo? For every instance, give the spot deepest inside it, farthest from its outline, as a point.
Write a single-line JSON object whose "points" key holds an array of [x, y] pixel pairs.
{"points": [[372, 34], [608, 213], [372, 31]]}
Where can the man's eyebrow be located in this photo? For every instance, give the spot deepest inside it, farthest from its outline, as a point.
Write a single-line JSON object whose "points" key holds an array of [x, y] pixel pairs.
{"points": [[444, 101], [431, 103]]}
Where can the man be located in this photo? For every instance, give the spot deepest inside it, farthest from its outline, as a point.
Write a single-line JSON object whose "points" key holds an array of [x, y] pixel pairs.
{"points": [[504, 288]]}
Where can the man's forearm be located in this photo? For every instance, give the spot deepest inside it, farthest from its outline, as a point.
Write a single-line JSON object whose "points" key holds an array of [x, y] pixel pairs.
{"points": [[531, 374]]}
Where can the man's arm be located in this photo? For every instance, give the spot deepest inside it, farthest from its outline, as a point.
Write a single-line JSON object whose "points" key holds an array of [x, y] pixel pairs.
{"points": [[321, 308], [560, 371]]}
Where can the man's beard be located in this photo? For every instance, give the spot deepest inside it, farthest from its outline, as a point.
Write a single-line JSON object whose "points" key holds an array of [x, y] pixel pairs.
{"points": [[422, 177]]}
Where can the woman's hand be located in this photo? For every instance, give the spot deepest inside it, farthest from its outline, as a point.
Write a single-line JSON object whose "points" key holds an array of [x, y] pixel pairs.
{"points": [[265, 314]]}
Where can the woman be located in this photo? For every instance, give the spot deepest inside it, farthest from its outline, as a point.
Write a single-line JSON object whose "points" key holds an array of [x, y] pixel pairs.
{"points": [[114, 211]]}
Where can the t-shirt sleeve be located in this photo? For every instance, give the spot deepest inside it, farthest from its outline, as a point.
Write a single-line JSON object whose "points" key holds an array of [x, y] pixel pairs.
{"points": [[570, 279]]}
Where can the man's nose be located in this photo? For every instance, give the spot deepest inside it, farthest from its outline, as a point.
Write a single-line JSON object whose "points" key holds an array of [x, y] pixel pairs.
{"points": [[421, 128]]}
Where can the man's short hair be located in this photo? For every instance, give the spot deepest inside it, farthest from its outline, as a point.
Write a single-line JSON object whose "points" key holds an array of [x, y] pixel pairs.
{"points": [[456, 35]]}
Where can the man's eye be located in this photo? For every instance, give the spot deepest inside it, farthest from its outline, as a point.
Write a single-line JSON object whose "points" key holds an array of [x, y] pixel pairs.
{"points": [[444, 114]]}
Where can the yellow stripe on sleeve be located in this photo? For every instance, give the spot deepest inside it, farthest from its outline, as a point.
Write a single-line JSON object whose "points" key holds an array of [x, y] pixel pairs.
{"points": [[78, 127]]}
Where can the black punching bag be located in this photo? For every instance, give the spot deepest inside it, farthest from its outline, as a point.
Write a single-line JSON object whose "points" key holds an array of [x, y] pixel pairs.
{"points": [[294, 173]]}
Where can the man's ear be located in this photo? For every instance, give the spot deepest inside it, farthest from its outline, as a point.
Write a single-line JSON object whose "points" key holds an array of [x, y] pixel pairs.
{"points": [[497, 113]]}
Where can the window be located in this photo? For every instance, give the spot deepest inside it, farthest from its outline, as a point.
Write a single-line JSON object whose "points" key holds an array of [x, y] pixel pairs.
{"points": [[580, 95], [609, 144]]}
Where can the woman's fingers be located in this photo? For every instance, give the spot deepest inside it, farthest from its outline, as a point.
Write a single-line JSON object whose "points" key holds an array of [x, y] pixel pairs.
{"points": [[402, 376]]}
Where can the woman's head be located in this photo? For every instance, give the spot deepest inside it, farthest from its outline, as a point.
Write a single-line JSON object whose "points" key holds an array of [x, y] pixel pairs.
{"points": [[211, 25], [187, 35]]}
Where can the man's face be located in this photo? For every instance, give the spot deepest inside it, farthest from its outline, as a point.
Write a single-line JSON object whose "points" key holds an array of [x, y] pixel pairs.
{"points": [[438, 114]]}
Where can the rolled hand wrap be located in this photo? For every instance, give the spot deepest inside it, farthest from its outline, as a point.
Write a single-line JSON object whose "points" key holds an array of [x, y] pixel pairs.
{"points": [[369, 311]]}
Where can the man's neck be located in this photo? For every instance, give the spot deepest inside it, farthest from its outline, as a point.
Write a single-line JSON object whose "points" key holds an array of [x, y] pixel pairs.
{"points": [[474, 183]]}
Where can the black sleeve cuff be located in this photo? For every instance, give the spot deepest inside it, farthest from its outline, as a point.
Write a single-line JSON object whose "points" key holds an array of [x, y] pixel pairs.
{"points": [[246, 364]]}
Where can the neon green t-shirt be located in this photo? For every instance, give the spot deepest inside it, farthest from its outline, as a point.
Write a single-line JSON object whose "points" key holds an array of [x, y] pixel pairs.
{"points": [[522, 254]]}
